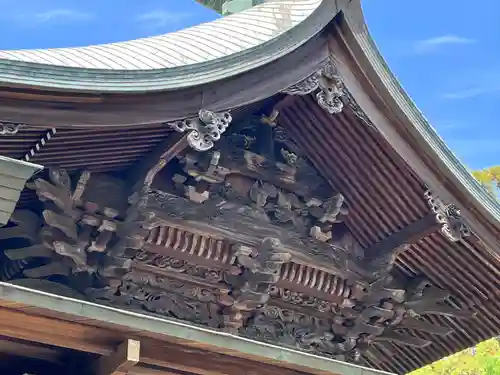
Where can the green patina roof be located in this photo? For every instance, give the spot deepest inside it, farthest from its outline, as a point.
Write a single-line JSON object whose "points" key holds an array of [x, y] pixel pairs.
{"points": [[226, 7], [198, 55]]}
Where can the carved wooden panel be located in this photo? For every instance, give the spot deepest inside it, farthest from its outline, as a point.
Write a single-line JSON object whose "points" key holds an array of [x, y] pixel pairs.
{"points": [[247, 238]]}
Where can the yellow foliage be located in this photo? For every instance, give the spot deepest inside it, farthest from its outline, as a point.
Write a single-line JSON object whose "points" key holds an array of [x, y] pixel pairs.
{"points": [[489, 177], [484, 359]]}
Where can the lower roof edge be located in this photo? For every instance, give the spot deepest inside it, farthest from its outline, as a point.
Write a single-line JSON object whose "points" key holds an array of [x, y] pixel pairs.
{"points": [[211, 340], [13, 176]]}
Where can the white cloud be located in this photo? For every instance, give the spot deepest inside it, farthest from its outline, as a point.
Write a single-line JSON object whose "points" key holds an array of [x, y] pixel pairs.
{"points": [[471, 92], [161, 18], [61, 14], [433, 44]]}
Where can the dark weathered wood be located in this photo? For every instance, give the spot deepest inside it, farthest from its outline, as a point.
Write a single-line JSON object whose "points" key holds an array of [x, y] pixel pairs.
{"points": [[30, 350], [145, 170], [246, 225], [170, 105], [408, 235], [424, 326], [126, 356], [94, 337]]}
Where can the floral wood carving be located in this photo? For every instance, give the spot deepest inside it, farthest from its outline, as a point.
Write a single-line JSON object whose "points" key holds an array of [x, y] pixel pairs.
{"points": [[346, 330], [203, 130], [178, 300], [327, 85], [9, 128], [261, 270], [178, 266], [453, 226], [201, 258]]}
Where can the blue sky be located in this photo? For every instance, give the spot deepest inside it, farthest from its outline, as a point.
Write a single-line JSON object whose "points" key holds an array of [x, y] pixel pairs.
{"points": [[445, 55]]}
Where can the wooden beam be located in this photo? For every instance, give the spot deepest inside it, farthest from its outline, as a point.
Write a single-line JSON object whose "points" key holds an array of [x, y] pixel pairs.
{"points": [[408, 235], [148, 167], [30, 350], [245, 225], [165, 344], [23, 326], [125, 357], [104, 340]]}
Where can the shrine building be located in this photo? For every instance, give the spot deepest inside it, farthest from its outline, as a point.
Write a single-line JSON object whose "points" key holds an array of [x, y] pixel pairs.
{"points": [[254, 195]]}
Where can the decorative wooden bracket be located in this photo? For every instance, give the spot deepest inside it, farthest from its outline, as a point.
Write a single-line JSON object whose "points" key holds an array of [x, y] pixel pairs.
{"points": [[327, 85], [453, 226], [9, 128], [203, 130], [144, 172], [382, 255], [121, 361]]}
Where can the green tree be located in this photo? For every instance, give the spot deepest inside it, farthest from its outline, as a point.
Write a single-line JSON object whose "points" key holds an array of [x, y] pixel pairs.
{"points": [[483, 359], [489, 177]]}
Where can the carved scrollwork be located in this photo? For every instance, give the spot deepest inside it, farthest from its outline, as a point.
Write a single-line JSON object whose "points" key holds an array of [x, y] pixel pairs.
{"points": [[182, 301], [83, 230], [9, 128], [453, 226], [261, 270], [312, 334], [174, 265], [352, 325], [328, 86], [313, 216], [302, 299], [203, 130]]}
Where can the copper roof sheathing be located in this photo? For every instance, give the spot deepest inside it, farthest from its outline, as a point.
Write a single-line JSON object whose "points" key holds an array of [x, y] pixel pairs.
{"points": [[197, 44], [201, 54]]}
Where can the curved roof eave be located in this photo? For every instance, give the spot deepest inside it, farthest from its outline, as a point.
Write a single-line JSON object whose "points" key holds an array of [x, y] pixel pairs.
{"points": [[202, 54], [426, 137]]}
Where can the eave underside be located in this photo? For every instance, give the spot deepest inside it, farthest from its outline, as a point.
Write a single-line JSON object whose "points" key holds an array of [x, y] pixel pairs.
{"points": [[383, 195]]}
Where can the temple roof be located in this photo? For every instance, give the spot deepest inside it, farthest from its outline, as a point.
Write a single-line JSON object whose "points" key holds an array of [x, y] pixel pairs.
{"points": [[380, 151], [200, 54]]}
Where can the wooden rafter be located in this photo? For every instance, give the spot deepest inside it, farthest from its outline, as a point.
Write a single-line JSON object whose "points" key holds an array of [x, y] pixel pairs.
{"points": [[407, 236]]}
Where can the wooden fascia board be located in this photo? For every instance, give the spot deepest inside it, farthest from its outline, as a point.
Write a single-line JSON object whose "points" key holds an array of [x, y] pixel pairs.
{"points": [[26, 299]]}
